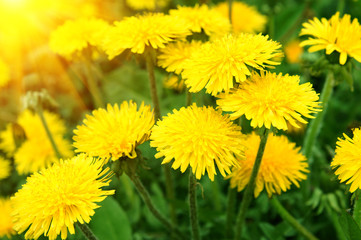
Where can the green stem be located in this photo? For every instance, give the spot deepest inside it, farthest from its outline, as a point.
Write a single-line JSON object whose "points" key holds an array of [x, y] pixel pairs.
{"points": [[167, 171], [153, 85], [48, 133], [193, 206], [148, 201], [231, 207], [230, 3], [86, 231], [93, 86], [291, 220], [170, 193], [248, 194], [341, 6], [271, 26], [316, 123], [188, 98], [357, 208]]}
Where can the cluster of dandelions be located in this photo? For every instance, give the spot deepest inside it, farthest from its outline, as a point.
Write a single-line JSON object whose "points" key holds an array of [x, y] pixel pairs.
{"points": [[233, 67]]}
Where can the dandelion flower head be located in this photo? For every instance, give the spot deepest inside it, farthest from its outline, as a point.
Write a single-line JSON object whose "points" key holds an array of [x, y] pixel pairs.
{"points": [[64, 193], [215, 64], [293, 51], [4, 73], [150, 5], [76, 35], [173, 82], [174, 55], [271, 99], [245, 18], [152, 30], [347, 160], [5, 168], [199, 137], [115, 131], [7, 143], [36, 152], [6, 221], [336, 34], [203, 18], [282, 164]]}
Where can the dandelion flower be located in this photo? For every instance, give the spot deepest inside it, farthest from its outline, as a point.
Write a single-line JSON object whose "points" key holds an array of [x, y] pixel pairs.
{"points": [[76, 35], [173, 82], [4, 74], [282, 164], [153, 30], [271, 99], [7, 143], [347, 160], [173, 56], [65, 193], [203, 18], [245, 18], [150, 5], [114, 132], [6, 222], [341, 35], [214, 65], [36, 152], [293, 51], [199, 137], [4, 168]]}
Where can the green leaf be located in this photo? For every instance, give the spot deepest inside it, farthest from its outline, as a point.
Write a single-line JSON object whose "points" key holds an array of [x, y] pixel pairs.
{"points": [[111, 222], [270, 231], [349, 226]]}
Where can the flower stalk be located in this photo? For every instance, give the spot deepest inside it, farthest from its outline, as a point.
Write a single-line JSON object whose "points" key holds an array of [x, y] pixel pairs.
{"points": [[167, 171], [153, 85], [230, 3], [92, 85], [316, 123], [48, 133], [86, 231], [148, 201], [291, 220], [248, 194], [193, 206]]}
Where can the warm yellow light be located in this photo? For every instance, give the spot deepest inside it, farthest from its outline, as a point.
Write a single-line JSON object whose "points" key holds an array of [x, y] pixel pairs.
{"points": [[13, 3]]}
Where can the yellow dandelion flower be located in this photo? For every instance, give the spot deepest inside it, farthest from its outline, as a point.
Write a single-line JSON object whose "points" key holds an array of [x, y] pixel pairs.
{"points": [[282, 164], [65, 193], [347, 160], [173, 82], [293, 51], [271, 99], [174, 55], [114, 132], [137, 33], [4, 74], [199, 137], [36, 152], [335, 34], [214, 65], [75, 35], [203, 18], [150, 5], [7, 143], [245, 18], [5, 169], [6, 221]]}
